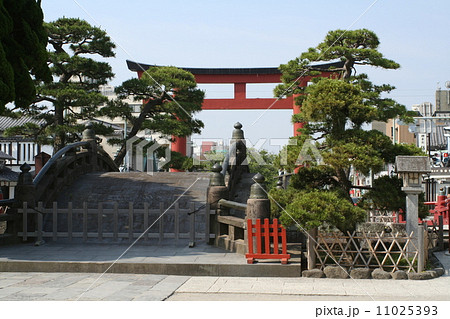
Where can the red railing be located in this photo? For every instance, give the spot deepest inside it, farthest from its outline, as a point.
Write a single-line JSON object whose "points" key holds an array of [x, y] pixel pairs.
{"points": [[269, 247], [441, 207]]}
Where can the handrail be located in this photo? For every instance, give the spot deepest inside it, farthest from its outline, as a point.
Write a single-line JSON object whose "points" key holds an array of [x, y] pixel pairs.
{"points": [[6, 202], [55, 157], [231, 204]]}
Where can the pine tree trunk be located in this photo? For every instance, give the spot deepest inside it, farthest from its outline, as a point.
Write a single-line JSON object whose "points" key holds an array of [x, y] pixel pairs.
{"points": [[60, 136]]}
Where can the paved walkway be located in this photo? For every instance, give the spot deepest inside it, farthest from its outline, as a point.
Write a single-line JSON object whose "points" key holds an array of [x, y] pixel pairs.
{"points": [[87, 286], [95, 286], [233, 288], [168, 259]]}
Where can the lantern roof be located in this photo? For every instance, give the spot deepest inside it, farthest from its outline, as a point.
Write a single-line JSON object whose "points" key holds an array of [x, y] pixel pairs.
{"points": [[412, 164]]}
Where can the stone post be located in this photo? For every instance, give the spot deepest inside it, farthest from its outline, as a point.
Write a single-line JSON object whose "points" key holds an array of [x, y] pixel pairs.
{"points": [[216, 189], [411, 169], [237, 158], [412, 212], [280, 184], [240, 153], [421, 249], [258, 204], [25, 190], [311, 242], [89, 135], [215, 192]]}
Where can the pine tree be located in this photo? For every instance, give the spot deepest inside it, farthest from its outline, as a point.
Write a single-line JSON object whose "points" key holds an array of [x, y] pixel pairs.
{"points": [[170, 98], [23, 55], [335, 111], [74, 92]]}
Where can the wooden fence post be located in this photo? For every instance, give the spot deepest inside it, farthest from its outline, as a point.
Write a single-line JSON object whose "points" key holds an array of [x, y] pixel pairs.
{"points": [[176, 226], [116, 222], [192, 227], [69, 221], [100, 221], [161, 222], [25, 221], [207, 222], [146, 212], [441, 233], [85, 227], [130, 221], [55, 221], [312, 241], [421, 249], [39, 229]]}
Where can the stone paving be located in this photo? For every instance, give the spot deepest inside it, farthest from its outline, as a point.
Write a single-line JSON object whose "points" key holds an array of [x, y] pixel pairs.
{"points": [[75, 286], [167, 253], [127, 287], [95, 286], [234, 288], [171, 258]]}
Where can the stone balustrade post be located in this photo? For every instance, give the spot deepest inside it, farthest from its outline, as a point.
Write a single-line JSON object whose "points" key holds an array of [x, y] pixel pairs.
{"points": [[215, 192], [25, 189], [89, 135], [216, 189], [258, 204], [25, 192], [280, 184]]}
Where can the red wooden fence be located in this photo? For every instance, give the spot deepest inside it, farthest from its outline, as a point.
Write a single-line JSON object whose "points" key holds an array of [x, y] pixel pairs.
{"points": [[272, 234], [441, 208]]}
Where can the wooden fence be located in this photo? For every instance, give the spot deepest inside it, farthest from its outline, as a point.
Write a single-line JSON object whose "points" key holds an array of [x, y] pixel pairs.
{"points": [[379, 216], [115, 224], [274, 235], [388, 251]]}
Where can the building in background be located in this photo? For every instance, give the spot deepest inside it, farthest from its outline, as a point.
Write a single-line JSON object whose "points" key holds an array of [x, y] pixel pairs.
{"points": [[442, 100], [430, 122], [21, 149], [397, 131], [121, 129]]}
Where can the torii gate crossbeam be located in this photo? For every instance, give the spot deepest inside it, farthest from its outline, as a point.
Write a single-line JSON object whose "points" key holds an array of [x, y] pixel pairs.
{"points": [[239, 77]]}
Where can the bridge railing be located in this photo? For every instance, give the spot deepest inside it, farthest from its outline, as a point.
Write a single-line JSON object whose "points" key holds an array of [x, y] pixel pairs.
{"points": [[61, 170], [38, 178], [109, 223]]}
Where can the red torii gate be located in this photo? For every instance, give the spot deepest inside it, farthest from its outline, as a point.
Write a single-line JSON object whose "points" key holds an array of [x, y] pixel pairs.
{"points": [[239, 77]]}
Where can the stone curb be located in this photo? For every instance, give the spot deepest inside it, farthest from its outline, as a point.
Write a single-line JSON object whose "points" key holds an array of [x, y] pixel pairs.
{"points": [[180, 269], [335, 272]]}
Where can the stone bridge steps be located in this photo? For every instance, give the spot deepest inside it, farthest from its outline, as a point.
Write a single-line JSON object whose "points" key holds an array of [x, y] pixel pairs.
{"points": [[136, 187]]}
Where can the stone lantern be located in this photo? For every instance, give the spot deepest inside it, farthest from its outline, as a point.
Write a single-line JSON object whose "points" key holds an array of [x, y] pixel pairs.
{"points": [[410, 169]]}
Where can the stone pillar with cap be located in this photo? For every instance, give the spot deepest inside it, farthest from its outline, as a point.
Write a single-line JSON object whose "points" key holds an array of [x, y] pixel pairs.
{"points": [[237, 158], [258, 204], [216, 189], [411, 169], [25, 190], [215, 192], [280, 184], [89, 136], [238, 148]]}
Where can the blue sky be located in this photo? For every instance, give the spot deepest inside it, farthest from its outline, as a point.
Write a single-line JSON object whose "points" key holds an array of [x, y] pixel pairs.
{"points": [[233, 33]]}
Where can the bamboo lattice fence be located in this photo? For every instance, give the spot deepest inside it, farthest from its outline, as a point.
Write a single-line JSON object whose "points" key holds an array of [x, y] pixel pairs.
{"points": [[388, 251]]}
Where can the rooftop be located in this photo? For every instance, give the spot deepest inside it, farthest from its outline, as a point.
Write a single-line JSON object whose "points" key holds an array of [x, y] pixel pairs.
{"points": [[7, 122], [139, 67]]}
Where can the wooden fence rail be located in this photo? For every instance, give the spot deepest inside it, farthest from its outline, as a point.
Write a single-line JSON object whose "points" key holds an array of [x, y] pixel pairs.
{"points": [[388, 251], [268, 237], [116, 223]]}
